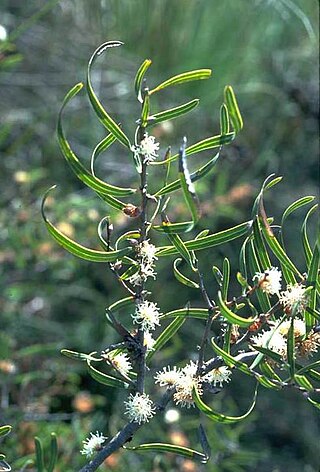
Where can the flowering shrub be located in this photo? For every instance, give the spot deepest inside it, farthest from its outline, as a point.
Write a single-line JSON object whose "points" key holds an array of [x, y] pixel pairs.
{"points": [[268, 330]]}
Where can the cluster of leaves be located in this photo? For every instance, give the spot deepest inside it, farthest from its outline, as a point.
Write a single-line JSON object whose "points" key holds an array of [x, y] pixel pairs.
{"points": [[268, 368]]}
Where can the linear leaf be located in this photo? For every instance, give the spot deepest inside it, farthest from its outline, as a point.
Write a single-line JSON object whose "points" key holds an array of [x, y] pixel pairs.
{"points": [[77, 249], [188, 189], [53, 452], [204, 145], [182, 278], [172, 113], [313, 280], [181, 248], [209, 241], [225, 278], [233, 108], [232, 317], [303, 382], [314, 403], [39, 455], [103, 116], [224, 119], [220, 418], [139, 78], [4, 430], [166, 335], [104, 378], [230, 360], [260, 246], [305, 240], [200, 313], [76, 355], [162, 447], [81, 172], [100, 147], [254, 268], [198, 74], [295, 206]]}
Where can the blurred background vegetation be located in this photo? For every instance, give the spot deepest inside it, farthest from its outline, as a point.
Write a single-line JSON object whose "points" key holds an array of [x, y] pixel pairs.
{"points": [[268, 51]]}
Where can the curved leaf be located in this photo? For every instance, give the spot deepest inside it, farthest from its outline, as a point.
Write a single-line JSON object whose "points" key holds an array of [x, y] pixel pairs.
{"points": [[139, 78], [77, 249], [100, 147], [53, 452], [224, 119], [4, 430], [295, 206], [204, 145], [39, 455], [81, 172], [104, 378], [233, 109], [162, 447], [182, 278], [209, 241], [103, 116], [305, 240], [187, 185], [173, 112], [198, 74], [232, 317], [225, 278], [219, 417]]}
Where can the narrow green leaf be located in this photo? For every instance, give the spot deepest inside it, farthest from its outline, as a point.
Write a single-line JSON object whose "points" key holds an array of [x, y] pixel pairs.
{"points": [[267, 352], [4, 430], [81, 172], [233, 108], [218, 417], [130, 272], [188, 189], [174, 228], [173, 112], [53, 452], [313, 280], [261, 252], [103, 116], [162, 447], [79, 356], [314, 403], [145, 110], [104, 378], [230, 360], [305, 240], [166, 335], [225, 278], [209, 241], [232, 317], [295, 206], [183, 78], [100, 147], [278, 251], [182, 278], [254, 268], [268, 371], [77, 249], [314, 313], [39, 455], [204, 145], [224, 119], [303, 382], [181, 248], [139, 78], [200, 313], [4, 466]]}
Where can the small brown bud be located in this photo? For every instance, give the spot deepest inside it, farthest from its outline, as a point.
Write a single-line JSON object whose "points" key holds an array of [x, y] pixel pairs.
{"points": [[131, 211]]}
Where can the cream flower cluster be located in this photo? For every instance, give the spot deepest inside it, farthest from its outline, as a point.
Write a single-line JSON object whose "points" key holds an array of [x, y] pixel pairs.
{"points": [[120, 361], [139, 408], [147, 315], [269, 281], [294, 298], [146, 257], [93, 444], [186, 379], [148, 148]]}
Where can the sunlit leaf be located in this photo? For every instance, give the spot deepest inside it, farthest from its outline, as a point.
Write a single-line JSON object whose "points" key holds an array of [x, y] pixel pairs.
{"points": [[166, 335], [219, 417], [182, 278], [233, 108], [303, 382], [53, 453], [198, 74], [172, 113], [225, 278], [162, 447], [224, 119], [200, 313], [103, 116], [209, 241], [105, 379], [139, 78], [233, 317], [77, 249], [4, 430], [305, 240], [81, 172]]}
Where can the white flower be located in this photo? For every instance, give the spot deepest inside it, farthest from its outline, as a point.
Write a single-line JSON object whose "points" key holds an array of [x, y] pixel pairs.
{"points": [[269, 281], [299, 328], [148, 148], [146, 270], [93, 444], [294, 298], [168, 377], [272, 340], [148, 341], [218, 376], [147, 315], [147, 252], [139, 408], [120, 362], [185, 384]]}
